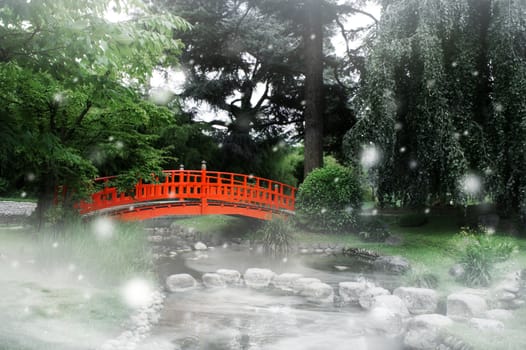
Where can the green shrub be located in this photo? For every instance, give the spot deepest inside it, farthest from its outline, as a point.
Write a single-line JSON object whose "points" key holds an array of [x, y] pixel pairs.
{"points": [[277, 236], [373, 229], [413, 220], [329, 197], [480, 256]]}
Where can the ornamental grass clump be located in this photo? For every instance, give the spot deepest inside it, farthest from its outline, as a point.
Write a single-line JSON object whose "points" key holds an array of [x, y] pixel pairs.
{"points": [[277, 237], [481, 254]]}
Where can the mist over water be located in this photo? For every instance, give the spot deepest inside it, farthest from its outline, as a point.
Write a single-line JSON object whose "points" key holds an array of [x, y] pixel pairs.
{"points": [[242, 318]]}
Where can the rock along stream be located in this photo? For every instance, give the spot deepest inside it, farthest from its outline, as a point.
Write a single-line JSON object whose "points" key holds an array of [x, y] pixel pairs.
{"points": [[242, 317]]}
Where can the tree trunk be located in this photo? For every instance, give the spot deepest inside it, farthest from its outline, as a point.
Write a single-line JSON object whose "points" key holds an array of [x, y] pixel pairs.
{"points": [[45, 200], [313, 41]]}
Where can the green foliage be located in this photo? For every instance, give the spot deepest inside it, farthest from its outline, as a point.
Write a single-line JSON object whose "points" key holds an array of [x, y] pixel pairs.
{"points": [[329, 198], [421, 277], [413, 220], [70, 93], [439, 92], [110, 261], [373, 229], [277, 236], [480, 255]]}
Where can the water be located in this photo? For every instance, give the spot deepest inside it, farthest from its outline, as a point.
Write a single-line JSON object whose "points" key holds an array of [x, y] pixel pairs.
{"points": [[240, 318]]}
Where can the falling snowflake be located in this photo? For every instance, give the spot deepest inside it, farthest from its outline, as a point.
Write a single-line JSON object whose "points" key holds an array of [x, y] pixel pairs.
{"points": [[103, 228], [119, 145], [137, 293], [369, 157], [471, 184]]}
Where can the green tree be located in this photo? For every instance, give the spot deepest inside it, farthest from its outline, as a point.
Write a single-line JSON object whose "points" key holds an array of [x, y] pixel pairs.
{"points": [[70, 82], [436, 96]]}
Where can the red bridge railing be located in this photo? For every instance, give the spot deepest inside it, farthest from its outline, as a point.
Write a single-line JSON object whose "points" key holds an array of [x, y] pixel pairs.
{"points": [[194, 192]]}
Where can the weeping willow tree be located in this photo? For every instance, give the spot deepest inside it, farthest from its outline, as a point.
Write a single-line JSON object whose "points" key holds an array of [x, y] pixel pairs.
{"points": [[441, 99]]}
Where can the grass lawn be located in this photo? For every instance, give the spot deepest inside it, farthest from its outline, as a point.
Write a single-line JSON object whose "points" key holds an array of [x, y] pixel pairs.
{"points": [[63, 290]]}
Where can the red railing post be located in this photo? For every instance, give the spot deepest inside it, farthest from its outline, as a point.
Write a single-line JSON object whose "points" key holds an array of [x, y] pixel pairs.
{"points": [[204, 189]]}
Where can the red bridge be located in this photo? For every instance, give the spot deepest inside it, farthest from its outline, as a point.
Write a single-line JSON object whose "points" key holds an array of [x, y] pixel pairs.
{"points": [[194, 192]]}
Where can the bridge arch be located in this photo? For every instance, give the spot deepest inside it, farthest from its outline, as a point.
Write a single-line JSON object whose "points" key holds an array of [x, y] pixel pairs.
{"points": [[193, 192]]}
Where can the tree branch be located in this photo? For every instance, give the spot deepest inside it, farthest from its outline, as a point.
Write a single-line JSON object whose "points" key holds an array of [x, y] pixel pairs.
{"points": [[78, 121], [263, 97]]}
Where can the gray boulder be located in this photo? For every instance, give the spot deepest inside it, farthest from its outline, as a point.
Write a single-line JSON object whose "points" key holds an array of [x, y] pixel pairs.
{"points": [[486, 325], [180, 282], [298, 285], [423, 331], [385, 321], [392, 303], [367, 298], [285, 281], [418, 300], [394, 264], [213, 280], [231, 277], [200, 246], [498, 314], [463, 306], [318, 292], [258, 278], [457, 271], [350, 292]]}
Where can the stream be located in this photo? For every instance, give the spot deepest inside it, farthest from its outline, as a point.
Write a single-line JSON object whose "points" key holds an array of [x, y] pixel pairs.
{"points": [[241, 318]]}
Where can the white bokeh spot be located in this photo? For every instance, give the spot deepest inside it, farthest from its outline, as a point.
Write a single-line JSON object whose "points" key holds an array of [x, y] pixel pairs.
{"points": [[103, 228]]}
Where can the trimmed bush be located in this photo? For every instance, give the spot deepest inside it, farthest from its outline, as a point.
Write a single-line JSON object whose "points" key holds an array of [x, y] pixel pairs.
{"points": [[329, 198], [373, 229], [413, 220]]}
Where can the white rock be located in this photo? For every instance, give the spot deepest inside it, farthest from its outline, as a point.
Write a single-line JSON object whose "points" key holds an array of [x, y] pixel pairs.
{"points": [[385, 321], [464, 306], [505, 296], [391, 302], [350, 292], [423, 331], [511, 286], [367, 298], [318, 292], [301, 283], [230, 277], [180, 282], [418, 300], [341, 267], [498, 314], [213, 280], [486, 325], [258, 278], [200, 246], [285, 281], [435, 321]]}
